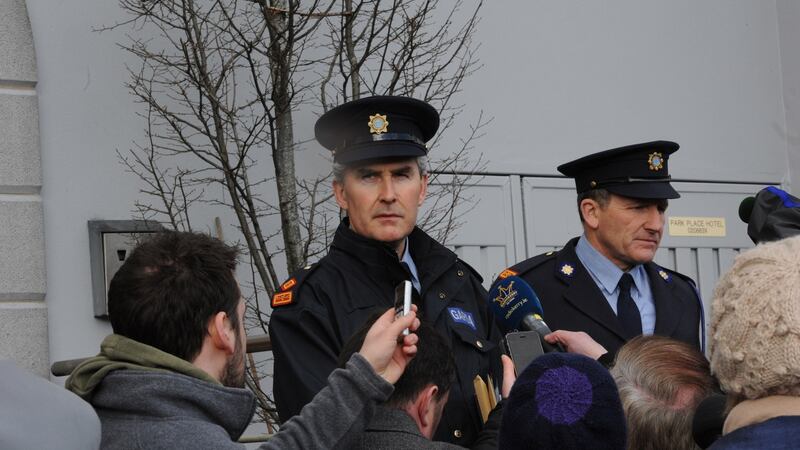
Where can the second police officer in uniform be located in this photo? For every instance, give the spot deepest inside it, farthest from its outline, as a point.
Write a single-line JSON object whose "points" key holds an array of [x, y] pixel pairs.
{"points": [[380, 180], [604, 282]]}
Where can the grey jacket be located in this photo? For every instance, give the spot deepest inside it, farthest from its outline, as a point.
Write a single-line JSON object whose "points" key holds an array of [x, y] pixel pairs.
{"points": [[35, 413], [158, 410], [393, 429]]}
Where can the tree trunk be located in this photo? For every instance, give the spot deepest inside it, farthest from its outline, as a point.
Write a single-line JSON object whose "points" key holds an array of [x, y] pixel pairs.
{"points": [[280, 53]]}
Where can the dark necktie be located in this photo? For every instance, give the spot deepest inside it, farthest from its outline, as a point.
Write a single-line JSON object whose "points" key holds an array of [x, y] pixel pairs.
{"points": [[627, 312]]}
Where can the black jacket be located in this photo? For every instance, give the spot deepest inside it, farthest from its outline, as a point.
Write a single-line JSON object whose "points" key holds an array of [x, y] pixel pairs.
{"points": [[323, 305], [572, 301]]}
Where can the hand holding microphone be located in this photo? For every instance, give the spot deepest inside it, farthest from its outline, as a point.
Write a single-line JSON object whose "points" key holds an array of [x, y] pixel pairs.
{"points": [[577, 342]]}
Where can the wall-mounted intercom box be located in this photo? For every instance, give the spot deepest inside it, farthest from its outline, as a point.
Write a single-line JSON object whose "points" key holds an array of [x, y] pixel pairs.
{"points": [[110, 243]]}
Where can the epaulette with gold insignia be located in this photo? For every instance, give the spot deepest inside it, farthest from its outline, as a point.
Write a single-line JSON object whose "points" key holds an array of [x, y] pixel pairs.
{"points": [[669, 275], [525, 266], [287, 292]]}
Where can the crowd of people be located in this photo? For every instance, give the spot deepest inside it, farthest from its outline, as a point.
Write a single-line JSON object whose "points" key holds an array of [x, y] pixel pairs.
{"points": [[351, 373]]}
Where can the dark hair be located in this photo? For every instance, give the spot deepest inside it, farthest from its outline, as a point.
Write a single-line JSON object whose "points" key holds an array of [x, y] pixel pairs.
{"points": [[601, 196], [168, 289], [433, 363]]}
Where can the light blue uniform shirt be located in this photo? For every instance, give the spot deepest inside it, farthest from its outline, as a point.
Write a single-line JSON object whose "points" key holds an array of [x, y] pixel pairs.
{"points": [[411, 267], [606, 276]]}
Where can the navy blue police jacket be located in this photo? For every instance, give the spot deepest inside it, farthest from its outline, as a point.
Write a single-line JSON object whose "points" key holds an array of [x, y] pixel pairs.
{"points": [[572, 301], [319, 308]]}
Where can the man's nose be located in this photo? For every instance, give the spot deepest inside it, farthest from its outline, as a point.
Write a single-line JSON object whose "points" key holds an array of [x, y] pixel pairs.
{"points": [[655, 219], [387, 192]]}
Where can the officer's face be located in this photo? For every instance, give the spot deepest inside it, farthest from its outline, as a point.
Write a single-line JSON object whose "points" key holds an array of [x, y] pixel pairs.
{"points": [[627, 230], [382, 199]]}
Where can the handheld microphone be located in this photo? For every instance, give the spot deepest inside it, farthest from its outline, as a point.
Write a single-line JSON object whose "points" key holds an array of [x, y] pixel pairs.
{"points": [[517, 307]]}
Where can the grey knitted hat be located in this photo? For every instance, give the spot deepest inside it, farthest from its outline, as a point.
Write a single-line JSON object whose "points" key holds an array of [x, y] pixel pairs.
{"points": [[755, 325]]}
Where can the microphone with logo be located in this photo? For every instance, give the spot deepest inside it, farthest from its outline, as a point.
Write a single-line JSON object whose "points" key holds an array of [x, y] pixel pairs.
{"points": [[517, 308]]}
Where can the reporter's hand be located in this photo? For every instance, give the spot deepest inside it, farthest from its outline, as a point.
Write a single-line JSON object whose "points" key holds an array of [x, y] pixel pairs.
{"points": [[385, 347], [509, 375], [577, 342]]}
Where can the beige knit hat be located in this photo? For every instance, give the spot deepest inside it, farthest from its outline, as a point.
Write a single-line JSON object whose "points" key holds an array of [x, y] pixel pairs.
{"points": [[755, 325]]}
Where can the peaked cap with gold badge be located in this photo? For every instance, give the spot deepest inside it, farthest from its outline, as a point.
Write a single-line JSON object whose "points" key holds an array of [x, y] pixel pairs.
{"points": [[377, 127], [637, 171]]}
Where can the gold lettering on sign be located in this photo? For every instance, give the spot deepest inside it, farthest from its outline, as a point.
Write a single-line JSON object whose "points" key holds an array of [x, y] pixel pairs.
{"points": [[697, 226]]}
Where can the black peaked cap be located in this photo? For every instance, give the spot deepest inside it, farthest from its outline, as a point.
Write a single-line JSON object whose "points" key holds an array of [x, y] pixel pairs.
{"points": [[377, 127], [637, 171]]}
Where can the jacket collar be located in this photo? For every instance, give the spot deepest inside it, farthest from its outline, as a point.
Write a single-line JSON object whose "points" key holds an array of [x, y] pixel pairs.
{"points": [[162, 395], [392, 419], [381, 262], [751, 412], [118, 352]]}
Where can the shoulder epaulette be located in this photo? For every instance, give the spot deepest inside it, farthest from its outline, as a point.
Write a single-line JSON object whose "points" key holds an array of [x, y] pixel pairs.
{"points": [[527, 265], [471, 269], [669, 274], [286, 292]]}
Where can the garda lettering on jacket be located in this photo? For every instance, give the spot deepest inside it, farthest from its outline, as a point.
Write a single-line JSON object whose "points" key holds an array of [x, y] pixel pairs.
{"points": [[460, 316]]}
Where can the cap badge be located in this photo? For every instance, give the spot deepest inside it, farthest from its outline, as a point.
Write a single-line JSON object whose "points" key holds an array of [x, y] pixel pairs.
{"points": [[378, 124], [656, 161], [567, 269]]}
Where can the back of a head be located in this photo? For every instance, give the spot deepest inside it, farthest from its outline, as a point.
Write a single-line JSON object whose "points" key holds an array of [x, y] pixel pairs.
{"points": [[563, 401], [661, 381], [169, 287], [755, 325], [433, 364]]}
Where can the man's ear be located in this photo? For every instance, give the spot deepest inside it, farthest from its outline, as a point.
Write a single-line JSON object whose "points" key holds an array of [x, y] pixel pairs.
{"points": [[426, 406], [341, 195], [424, 191], [590, 210], [221, 332]]}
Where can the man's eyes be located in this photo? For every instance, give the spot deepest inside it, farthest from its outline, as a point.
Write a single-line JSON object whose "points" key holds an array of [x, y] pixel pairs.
{"points": [[644, 207], [373, 176]]}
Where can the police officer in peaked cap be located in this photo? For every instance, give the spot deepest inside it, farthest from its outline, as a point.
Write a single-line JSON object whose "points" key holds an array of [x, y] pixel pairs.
{"points": [[380, 181], [605, 282]]}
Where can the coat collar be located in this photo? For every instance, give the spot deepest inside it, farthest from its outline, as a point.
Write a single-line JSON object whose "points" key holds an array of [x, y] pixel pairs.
{"points": [[159, 396], [432, 259], [751, 412], [378, 259], [392, 419], [381, 264]]}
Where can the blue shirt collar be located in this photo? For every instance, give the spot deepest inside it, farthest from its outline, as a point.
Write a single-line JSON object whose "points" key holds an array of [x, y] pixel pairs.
{"points": [[411, 266], [605, 272]]}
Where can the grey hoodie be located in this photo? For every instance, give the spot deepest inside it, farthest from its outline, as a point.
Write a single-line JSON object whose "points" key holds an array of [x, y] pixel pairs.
{"points": [[146, 407]]}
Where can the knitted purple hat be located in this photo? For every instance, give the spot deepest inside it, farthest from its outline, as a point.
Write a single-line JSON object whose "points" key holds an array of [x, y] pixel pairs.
{"points": [[563, 401]]}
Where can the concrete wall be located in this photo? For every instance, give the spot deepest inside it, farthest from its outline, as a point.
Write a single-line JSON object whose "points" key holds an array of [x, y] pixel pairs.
{"points": [[561, 79], [23, 315], [566, 78], [789, 37]]}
